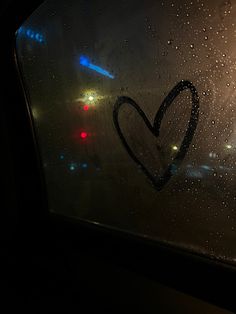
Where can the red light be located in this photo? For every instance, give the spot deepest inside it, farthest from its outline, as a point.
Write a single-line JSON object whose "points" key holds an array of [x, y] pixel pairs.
{"points": [[83, 135], [86, 107]]}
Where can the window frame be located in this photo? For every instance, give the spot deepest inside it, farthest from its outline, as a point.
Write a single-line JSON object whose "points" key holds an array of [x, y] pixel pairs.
{"points": [[199, 276]]}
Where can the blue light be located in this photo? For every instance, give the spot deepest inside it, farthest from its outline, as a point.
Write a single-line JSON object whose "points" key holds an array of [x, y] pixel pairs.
{"points": [[20, 30], [29, 33], [84, 166], [84, 61], [62, 157], [39, 37], [205, 167]]}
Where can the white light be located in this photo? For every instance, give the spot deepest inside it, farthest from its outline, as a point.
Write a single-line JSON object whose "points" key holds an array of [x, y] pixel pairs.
{"points": [[175, 147], [213, 155], [228, 146], [91, 98]]}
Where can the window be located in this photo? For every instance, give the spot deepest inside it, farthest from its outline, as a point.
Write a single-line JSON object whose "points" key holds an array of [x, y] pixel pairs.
{"points": [[134, 109]]}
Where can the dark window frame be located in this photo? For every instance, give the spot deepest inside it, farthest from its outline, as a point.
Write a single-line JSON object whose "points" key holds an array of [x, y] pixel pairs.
{"points": [[199, 276]]}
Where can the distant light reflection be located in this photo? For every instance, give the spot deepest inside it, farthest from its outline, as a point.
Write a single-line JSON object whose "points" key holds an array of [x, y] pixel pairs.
{"points": [[84, 61], [83, 135], [212, 155], [73, 166], [29, 33], [205, 167], [195, 174], [86, 107]]}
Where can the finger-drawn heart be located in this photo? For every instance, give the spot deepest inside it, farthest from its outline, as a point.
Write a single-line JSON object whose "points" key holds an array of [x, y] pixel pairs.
{"points": [[162, 179]]}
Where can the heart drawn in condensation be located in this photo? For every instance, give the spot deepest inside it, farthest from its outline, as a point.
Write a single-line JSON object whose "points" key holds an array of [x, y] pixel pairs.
{"points": [[161, 180]]}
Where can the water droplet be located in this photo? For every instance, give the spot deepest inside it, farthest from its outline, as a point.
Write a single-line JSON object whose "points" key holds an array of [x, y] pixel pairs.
{"points": [[228, 84], [213, 122], [192, 46], [206, 37], [169, 42]]}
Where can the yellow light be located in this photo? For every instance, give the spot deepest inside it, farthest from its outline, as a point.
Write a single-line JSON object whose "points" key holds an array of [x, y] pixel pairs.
{"points": [[35, 113], [175, 147], [228, 146], [90, 97]]}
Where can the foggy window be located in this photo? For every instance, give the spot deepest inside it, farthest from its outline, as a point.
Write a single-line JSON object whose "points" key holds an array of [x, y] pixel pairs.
{"points": [[133, 104]]}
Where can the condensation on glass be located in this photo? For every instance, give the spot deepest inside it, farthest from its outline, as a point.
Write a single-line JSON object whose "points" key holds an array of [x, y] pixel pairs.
{"points": [[78, 58]]}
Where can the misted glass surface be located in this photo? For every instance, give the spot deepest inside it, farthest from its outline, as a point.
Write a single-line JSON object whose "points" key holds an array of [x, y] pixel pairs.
{"points": [[159, 161]]}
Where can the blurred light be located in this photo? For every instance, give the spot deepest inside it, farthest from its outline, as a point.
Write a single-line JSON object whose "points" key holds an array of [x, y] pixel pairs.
{"points": [[195, 174], [83, 135], [205, 167], [39, 37], [89, 97], [212, 155], [84, 61], [62, 157], [35, 112], [84, 165], [86, 107], [20, 30], [73, 166], [173, 169], [175, 147], [29, 33], [228, 146]]}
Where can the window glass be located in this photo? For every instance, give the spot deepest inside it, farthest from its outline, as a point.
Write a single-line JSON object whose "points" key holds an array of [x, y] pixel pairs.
{"points": [[134, 104]]}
